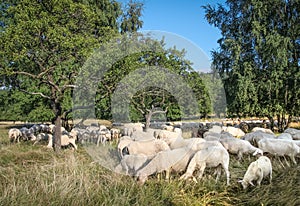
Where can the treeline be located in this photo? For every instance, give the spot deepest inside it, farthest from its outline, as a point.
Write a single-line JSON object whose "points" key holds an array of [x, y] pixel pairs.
{"points": [[258, 57], [44, 45]]}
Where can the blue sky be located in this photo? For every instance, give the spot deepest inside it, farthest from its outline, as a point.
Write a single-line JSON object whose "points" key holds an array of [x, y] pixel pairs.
{"points": [[183, 22]]}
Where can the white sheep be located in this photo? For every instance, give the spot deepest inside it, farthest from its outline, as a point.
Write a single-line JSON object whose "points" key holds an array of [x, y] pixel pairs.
{"points": [[167, 127], [130, 164], [255, 137], [240, 147], [150, 147], [175, 160], [256, 171], [210, 157], [294, 132], [124, 141], [255, 129], [43, 137], [236, 132], [66, 140], [14, 135], [280, 147], [285, 136]]}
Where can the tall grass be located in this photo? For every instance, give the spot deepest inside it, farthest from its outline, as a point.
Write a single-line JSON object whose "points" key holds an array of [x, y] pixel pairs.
{"points": [[35, 175]]}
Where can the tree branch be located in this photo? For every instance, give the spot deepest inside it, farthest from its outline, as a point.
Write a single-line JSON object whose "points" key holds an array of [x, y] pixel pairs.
{"points": [[35, 93]]}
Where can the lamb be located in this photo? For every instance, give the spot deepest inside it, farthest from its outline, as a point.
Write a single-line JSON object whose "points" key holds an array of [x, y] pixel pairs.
{"points": [[256, 171], [240, 147], [175, 160], [280, 147], [150, 147], [255, 129], [132, 163], [209, 157], [14, 135], [236, 132], [115, 134]]}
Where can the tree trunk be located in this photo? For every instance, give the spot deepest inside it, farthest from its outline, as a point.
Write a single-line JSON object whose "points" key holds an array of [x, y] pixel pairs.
{"points": [[57, 134], [57, 131]]}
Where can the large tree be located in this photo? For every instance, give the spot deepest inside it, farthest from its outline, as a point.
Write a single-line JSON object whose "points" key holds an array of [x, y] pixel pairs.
{"points": [[44, 43], [258, 57]]}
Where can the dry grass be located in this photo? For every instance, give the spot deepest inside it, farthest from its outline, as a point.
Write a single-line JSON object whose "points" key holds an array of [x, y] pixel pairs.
{"points": [[35, 175]]}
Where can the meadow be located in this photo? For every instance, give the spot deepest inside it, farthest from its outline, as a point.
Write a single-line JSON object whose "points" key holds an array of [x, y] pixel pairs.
{"points": [[35, 175]]}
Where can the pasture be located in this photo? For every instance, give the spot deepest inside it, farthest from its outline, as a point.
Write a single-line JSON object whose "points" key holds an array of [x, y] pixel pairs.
{"points": [[35, 175]]}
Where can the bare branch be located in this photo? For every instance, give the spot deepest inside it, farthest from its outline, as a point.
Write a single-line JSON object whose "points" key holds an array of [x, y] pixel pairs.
{"points": [[35, 93]]}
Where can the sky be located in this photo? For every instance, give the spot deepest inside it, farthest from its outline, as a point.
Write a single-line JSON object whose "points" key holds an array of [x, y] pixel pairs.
{"points": [[183, 23]]}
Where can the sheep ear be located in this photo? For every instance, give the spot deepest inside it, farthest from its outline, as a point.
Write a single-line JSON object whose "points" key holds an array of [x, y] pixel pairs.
{"points": [[240, 181], [251, 183]]}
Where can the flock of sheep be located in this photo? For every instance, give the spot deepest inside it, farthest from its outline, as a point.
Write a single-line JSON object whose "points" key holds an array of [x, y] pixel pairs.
{"points": [[144, 153]]}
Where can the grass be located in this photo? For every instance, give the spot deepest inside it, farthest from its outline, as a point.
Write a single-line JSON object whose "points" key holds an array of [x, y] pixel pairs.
{"points": [[34, 175]]}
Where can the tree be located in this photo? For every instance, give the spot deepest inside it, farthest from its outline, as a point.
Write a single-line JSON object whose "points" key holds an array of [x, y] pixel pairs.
{"points": [[258, 58], [44, 43], [131, 21]]}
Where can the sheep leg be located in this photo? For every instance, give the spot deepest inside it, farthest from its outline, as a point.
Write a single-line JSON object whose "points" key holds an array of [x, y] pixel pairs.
{"points": [[293, 159], [201, 169], [190, 170], [218, 172]]}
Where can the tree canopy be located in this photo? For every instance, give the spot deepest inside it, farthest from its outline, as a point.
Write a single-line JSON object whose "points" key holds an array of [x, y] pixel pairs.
{"points": [[258, 57]]}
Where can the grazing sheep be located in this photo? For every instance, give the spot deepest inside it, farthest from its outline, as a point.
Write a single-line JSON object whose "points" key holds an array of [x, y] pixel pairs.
{"points": [[130, 164], [14, 135], [175, 160], [294, 132], [255, 137], [27, 134], [236, 132], [210, 157], [124, 141], [150, 147], [280, 147], [256, 171], [66, 140], [240, 147], [255, 129], [43, 137]]}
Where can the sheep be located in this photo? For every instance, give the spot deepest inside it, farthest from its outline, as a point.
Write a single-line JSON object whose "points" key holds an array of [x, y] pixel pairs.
{"points": [[143, 136], [286, 136], [209, 157], [66, 140], [294, 132], [115, 134], [280, 147], [262, 130], [240, 147], [167, 127], [27, 134], [132, 163], [175, 160], [150, 147], [124, 141], [256, 171], [255, 137], [236, 132], [14, 135], [43, 137]]}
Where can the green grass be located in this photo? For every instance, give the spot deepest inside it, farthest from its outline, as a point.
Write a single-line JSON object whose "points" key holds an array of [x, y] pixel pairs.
{"points": [[35, 175]]}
